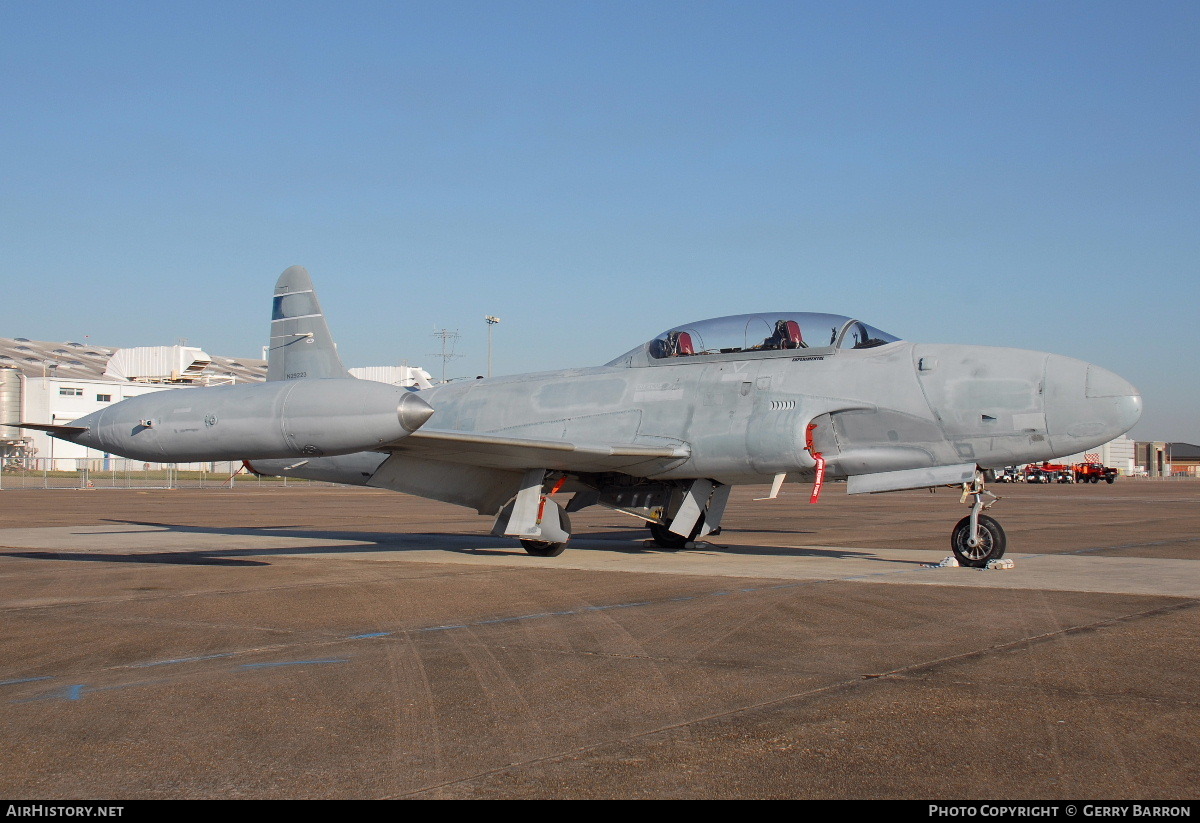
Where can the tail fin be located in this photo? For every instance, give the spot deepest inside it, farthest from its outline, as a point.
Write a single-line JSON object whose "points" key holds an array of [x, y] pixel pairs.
{"points": [[301, 345]]}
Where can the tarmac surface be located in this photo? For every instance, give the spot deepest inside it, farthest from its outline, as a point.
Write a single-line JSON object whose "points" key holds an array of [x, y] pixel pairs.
{"points": [[323, 642]]}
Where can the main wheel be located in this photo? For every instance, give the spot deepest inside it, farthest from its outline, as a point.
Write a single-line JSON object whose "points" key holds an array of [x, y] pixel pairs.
{"points": [[543, 548], [667, 539], [991, 544]]}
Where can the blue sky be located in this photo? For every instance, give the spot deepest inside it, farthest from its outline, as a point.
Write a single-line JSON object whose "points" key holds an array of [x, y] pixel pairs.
{"points": [[1006, 173]]}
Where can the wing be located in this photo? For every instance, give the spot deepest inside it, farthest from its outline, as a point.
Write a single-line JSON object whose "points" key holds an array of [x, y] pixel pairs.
{"points": [[503, 452]]}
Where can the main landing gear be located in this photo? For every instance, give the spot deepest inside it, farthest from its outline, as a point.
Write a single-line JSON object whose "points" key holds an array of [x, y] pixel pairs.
{"points": [[977, 539], [543, 548], [694, 511], [664, 538], [532, 517]]}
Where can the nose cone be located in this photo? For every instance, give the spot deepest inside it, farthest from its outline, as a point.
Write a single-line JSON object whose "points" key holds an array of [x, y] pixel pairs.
{"points": [[1114, 397], [1086, 405]]}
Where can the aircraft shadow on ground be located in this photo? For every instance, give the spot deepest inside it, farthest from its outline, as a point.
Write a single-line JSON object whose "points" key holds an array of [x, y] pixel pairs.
{"points": [[630, 541]]}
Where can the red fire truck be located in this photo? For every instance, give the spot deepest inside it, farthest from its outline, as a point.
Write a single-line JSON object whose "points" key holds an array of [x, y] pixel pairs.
{"points": [[1094, 473]]}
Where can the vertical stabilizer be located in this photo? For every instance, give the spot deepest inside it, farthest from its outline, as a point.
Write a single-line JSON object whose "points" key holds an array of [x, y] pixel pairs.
{"points": [[301, 345]]}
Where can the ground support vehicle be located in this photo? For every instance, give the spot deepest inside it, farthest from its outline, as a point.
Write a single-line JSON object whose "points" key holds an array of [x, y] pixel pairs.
{"points": [[1094, 473]]}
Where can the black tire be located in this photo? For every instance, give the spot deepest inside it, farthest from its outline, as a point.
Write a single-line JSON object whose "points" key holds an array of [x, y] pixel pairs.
{"points": [[543, 548], [667, 539], [1110, 480], [991, 548]]}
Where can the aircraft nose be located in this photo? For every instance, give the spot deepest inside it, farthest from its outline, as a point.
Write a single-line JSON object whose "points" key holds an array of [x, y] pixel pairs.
{"points": [[1086, 405], [1116, 397]]}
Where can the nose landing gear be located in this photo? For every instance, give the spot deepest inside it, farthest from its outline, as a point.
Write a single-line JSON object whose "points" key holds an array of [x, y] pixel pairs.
{"points": [[977, 538]]}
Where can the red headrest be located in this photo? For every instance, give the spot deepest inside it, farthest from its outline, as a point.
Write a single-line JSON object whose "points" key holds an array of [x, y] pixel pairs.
{"points": [[794, 336]]}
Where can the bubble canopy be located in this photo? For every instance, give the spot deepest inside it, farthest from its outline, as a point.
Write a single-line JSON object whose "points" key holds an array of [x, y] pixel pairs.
{"points": [[771, 331]]}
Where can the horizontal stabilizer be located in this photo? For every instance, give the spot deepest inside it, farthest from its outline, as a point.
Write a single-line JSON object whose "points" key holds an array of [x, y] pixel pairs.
{"points": [[54, 430]]}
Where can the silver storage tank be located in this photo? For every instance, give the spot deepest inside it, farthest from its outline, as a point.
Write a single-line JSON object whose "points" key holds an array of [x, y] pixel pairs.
{"points": [[10, 403]]}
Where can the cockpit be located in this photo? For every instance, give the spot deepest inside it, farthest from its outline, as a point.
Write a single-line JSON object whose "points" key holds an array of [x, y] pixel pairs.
{"points": [[785, 332]]}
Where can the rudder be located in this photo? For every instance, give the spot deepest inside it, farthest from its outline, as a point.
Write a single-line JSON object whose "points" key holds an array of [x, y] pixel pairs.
{"points": [[301, 345]]}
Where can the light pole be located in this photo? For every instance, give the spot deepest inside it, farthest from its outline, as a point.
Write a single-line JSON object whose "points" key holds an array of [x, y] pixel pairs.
{"points": [[491, 321]]}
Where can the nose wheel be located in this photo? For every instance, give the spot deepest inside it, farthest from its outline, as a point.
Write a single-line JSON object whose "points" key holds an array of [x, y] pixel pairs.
{"points": [[989, 544], [977, 539]]}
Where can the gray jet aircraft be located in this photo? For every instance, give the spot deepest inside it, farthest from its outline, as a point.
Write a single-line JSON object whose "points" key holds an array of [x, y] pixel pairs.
{"points": [[661, 433]]}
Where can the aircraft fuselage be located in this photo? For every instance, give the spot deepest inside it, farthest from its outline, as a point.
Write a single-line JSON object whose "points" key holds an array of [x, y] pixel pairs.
{"points": [[898, 406]]}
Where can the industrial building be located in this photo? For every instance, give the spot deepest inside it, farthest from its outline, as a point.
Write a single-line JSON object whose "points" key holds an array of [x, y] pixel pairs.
{"points": [[1162, 459], [47, 382]]}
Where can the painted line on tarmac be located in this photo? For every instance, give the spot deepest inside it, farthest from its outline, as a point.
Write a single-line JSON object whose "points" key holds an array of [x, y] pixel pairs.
{"points": [[25, 680], [73, 692], [78, 690], [180, 660], [294, 663]]}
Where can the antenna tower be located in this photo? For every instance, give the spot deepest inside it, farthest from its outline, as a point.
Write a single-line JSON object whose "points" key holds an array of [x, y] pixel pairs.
{"points": [[449, 341]]}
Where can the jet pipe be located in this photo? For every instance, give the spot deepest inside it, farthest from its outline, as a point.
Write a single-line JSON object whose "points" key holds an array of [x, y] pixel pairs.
{"points": [[277, 419]]}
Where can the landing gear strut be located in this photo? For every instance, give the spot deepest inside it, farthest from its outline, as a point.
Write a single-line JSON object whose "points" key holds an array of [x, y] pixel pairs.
{"points": [[977, 538]]}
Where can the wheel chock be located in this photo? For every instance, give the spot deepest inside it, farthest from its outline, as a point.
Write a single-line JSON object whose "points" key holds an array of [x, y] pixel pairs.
{"points": [[948, 562], [650, 544]]}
